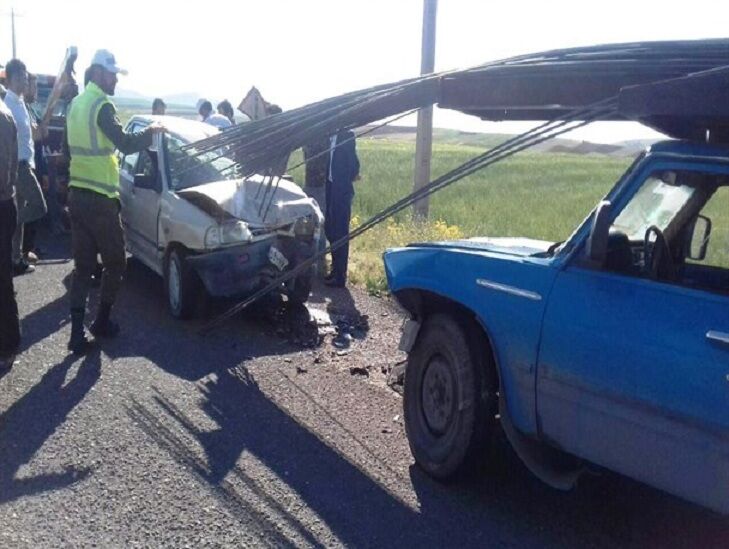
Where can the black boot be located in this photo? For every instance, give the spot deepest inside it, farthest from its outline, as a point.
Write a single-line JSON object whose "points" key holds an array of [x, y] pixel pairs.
{"points": [[103, 326], [78, 343]]}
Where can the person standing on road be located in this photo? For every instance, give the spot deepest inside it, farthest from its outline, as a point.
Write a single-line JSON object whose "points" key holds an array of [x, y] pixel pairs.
{"points": [[30, 253], [343, 171], [94, 132], [9, 324], [30, 202]]}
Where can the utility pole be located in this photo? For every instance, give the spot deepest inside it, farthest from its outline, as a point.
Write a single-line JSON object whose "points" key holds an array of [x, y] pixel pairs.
{"points": [[12, 28], [12, 24], [424, 138]]}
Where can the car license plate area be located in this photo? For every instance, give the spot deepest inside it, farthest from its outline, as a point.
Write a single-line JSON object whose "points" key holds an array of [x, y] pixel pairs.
{"points": [[277, 258]]}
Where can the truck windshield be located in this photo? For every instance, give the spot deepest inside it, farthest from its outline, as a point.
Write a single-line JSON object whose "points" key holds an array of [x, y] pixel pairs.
{"points": [[187, 169], [656, 203]]}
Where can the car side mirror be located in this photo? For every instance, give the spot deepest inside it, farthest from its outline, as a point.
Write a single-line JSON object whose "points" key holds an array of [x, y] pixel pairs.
{"points": [[699, 238], [145, 181], [597, 243]]}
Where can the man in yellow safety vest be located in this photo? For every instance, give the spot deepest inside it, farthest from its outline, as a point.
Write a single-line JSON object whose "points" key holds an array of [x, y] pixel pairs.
{"points": [[94, 132]]}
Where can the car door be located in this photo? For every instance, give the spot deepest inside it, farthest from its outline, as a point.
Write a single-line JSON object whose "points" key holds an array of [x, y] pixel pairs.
{"points": [[127, 167], [632, 375], [143, 215]]}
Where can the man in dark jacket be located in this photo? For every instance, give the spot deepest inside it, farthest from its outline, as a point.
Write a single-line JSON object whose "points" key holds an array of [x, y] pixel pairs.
{"points": [[343, 171], [9, 324]]}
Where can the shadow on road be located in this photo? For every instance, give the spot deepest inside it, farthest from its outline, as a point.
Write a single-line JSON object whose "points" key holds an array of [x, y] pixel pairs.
{"points": [[28, 423], [505, 507], [176, 346], [47, 320], [358, 510]]}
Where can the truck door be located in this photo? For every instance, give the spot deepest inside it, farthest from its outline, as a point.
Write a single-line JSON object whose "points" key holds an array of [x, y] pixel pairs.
{"points": [[633, 371]]}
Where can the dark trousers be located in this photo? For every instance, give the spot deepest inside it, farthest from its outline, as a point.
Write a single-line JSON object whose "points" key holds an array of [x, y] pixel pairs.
{"points": [[9, 323], [336, 226], [31, 205], [95, 229]]}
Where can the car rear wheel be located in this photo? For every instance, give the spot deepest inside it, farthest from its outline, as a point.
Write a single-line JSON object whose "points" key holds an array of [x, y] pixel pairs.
{"points": [[446, 401], [182, 286]]}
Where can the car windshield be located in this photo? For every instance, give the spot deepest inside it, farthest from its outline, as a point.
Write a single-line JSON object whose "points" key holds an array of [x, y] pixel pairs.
{"points": [[657, 202], [188, 169]]}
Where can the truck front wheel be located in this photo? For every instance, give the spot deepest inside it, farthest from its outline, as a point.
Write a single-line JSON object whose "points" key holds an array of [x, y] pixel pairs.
{"points": [[446, 400]]}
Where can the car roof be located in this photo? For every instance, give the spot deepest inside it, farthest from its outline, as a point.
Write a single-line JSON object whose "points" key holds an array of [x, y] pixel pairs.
{"points": [[180, 126]]}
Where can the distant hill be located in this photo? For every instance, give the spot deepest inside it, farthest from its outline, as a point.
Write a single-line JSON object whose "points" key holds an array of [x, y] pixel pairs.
{"points": [[486, 140]]}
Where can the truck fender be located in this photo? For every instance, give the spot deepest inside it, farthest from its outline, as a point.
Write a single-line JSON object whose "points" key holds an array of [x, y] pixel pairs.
{"points": [[541, 460], [409, 334]]}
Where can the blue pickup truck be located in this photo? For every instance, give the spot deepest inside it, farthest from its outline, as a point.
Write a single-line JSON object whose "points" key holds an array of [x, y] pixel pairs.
{"points": [[611, 347]]}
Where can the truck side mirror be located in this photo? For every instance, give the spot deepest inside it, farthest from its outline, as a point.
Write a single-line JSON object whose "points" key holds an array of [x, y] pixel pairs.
{"points": [[699, 238], [597, 243]]}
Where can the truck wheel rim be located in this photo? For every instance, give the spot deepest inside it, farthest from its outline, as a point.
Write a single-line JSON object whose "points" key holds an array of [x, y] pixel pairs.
{"points": [[174, 289], [438, 395]]}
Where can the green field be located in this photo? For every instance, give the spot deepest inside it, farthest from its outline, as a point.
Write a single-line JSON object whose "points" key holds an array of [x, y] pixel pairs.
{"points": [[536, 195]]}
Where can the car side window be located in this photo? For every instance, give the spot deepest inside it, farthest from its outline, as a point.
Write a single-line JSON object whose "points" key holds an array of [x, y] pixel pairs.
{"points": [[147, 164], [129, 161]]}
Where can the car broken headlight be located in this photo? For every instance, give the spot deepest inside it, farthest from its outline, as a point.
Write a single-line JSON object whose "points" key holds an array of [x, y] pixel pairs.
{"points": [[306, 226], [225, 234]]}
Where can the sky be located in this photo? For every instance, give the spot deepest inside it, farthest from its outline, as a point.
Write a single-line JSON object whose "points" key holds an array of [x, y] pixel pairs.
{"points": [[297, 52]]}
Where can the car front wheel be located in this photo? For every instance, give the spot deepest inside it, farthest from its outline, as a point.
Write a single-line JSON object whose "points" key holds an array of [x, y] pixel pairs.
{"points": [[181, 284], [301, 290], [446, 401]]}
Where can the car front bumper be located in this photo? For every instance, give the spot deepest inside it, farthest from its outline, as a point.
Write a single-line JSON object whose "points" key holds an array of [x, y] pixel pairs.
{"points": [[241, 270]]}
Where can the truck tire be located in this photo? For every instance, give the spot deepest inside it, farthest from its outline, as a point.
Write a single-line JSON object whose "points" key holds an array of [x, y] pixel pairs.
{"points": [[182, 285], [301, 290], [446, 400]]}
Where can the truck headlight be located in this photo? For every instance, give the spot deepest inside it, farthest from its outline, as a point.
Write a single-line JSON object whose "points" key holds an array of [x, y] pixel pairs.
{"points": [[225, 234]]}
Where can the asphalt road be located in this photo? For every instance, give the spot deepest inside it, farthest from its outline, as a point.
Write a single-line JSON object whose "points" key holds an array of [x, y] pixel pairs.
{"points": [[243, 438]]}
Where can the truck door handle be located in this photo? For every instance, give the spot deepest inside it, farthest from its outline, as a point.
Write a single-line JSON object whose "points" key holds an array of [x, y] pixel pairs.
{"points": [[718, 337]]}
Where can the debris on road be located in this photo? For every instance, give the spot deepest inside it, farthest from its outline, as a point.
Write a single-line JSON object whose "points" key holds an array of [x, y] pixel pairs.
{"points": [[359, 371]]}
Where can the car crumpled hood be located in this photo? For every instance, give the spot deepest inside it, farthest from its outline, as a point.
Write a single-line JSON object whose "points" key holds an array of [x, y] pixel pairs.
{"points": [[247, 200], [505, 245]]}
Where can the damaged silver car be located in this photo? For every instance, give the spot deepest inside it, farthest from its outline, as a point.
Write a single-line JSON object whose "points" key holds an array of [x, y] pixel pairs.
{"points": [[206, 231]]}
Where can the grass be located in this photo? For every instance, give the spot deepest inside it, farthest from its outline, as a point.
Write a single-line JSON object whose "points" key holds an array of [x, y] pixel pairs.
{"points": [[536, 195]]}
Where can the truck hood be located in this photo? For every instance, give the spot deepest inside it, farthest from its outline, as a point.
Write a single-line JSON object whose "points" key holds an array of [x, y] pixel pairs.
{"points": [[507, 245], [254, 201]]}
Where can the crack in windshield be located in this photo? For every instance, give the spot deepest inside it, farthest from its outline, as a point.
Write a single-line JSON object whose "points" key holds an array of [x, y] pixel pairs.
{"points": [[190, 169]]}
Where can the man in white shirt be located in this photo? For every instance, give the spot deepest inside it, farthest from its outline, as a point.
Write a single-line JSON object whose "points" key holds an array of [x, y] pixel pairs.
{"points": [[31, 204], [212, 118]]}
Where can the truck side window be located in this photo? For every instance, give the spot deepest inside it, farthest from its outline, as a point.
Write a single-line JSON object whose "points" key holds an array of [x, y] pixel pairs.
{"points": [[656, 207], [717, 250], [710, 273]]}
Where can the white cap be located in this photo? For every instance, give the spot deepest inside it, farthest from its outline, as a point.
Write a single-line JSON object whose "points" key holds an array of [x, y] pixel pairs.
{"points": [[106, 59]]}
